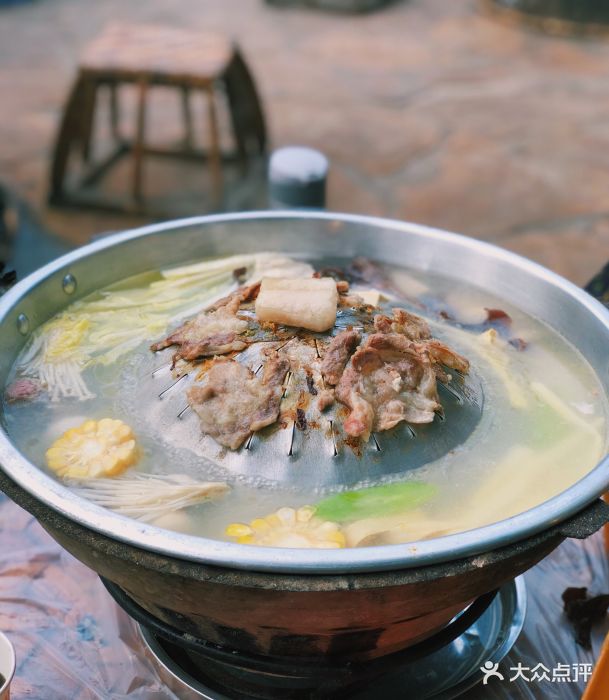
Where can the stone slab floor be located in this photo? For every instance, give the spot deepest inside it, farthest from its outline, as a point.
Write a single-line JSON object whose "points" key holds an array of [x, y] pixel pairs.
{"points": [[429, 110]]}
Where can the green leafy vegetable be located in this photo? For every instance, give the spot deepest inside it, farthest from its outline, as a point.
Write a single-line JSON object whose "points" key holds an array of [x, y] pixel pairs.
{"points": [[375, 501]]}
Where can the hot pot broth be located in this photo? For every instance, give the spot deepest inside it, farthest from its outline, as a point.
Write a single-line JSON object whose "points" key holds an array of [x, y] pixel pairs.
{"points": [[541, 426]]}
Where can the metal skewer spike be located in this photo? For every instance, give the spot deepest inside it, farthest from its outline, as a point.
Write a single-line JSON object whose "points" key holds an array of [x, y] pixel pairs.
{"points": [[158, 370], [171, 386], [458, 396], [291, 450], [183, 411], [333, 436]]}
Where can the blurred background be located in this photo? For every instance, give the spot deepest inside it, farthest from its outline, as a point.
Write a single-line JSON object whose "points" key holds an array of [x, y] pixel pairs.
{"points": [[464, 115]]}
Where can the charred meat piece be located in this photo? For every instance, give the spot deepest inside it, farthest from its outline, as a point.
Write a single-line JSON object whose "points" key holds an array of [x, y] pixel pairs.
{"points": [[312, 389], [337, 355], [213, 332], [413, 327], [232, 402], [342, 286], [301, 419], [346, 298], [416, 329], [369, 273], [441, 354], [352, 301], [244, 294], [325, 399], [386, 382], [22, 390]]}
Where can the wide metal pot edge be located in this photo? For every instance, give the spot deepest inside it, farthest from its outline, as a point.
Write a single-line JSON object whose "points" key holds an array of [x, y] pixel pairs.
{"points": [[380, 558]]}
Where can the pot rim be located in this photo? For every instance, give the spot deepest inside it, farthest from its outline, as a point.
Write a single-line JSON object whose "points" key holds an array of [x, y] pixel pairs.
{"points": [[302, 561]]}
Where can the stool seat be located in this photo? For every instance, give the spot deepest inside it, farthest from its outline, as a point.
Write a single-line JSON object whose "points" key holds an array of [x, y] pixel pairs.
{"points": [[125, 52], [146, 56]]}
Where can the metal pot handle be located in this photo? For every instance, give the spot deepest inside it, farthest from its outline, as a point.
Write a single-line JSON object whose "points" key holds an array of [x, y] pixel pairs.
{"points": [[586, 522]]}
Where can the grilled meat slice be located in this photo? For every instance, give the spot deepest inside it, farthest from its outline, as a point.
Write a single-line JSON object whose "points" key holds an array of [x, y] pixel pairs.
{"points": [[325, 399], [387, 381], [232, 402], [275, 369], [416, 329], [413, 327], [213, 332], [244, 294], [442, 354], [337, 355], [370, 274]]}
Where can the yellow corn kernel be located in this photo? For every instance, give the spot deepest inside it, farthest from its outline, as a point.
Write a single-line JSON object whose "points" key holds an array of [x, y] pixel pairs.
{"points": [[337, 537], [238, 530], [273, 520], [94, 449], [260, 525], [305, 513], [289, 527]]}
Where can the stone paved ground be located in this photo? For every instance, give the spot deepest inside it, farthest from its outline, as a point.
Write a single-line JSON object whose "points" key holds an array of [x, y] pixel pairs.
{"points": [[429, 110]]}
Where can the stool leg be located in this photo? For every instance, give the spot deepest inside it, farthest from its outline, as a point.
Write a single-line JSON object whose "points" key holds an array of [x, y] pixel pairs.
{"points": [[246, 111], [187, 116], [215, 157], [87, 118], [115, 117], [138, 143], [68, 132]]}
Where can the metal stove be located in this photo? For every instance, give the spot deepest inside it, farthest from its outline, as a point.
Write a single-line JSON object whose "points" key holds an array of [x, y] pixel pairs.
{"points": [[442, 667]]}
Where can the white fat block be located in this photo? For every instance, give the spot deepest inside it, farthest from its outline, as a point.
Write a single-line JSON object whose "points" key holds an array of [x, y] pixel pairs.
{"points": [[306, 303]]}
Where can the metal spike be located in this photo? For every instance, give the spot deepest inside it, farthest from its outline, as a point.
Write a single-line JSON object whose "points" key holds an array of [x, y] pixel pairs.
{"points": [[183, 411], [453, 392], [248, 442], [333, 435], [287, 384], [376, 443], [317, 349], [411, 430], [179, 379], [290, 451], [160, 369]]}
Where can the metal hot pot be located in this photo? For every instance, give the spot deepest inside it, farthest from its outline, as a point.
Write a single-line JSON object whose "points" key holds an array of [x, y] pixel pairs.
{"points": [[348, 604]]}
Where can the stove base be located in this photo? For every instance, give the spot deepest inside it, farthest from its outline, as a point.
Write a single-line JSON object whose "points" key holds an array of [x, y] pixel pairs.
{"points": [[486, 631]]}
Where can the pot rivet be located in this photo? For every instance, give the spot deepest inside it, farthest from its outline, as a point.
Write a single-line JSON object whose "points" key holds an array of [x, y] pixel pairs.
{"points": [[69, 284], [23, 324]]}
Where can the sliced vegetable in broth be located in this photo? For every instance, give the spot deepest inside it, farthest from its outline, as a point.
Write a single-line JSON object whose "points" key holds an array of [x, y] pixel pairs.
{"points": [[385, 499]]}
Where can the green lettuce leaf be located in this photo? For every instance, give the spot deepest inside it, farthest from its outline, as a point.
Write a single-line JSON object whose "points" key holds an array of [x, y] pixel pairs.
{"points": [[375, 501]]}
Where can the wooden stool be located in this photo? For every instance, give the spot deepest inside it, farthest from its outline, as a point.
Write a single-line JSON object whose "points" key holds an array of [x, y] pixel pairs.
{"points": [[147, 56]]}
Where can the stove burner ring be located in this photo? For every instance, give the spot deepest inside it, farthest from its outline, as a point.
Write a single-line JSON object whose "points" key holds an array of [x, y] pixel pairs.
{"points": [[267, 676]]}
